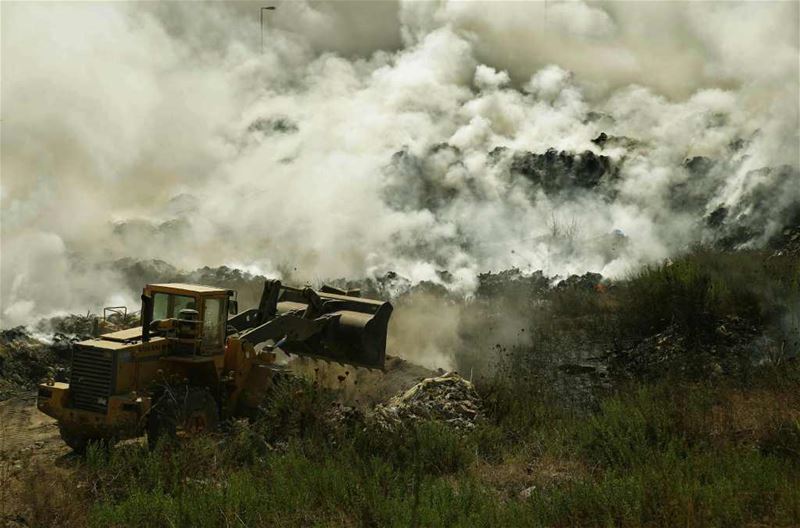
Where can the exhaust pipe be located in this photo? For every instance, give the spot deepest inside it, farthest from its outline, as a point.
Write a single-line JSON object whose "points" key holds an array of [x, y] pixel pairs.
{"points": [[147, 317]]}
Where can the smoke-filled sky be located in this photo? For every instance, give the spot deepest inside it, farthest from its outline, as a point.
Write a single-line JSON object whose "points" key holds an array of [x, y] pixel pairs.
{"points": [[358, 140]]}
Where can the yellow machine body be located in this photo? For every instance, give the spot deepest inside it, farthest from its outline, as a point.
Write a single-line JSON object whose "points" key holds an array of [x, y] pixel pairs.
{"points": [[188, 340]]}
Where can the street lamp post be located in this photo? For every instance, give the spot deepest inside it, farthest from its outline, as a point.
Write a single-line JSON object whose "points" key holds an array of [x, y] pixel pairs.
{"points": [[268, 8]]}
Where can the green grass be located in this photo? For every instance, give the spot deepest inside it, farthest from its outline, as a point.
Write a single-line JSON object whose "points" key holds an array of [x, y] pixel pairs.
{"points": [[704, 287], [681, 448], [650, 456]]}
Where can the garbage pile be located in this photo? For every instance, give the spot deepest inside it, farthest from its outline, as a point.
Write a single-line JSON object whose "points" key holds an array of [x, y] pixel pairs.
{"points": [[25, 360], [512, 283], [788, 243], [587, 281], [449, 398], [28, 356], [556, 171], [72, 325], [77, 327]]}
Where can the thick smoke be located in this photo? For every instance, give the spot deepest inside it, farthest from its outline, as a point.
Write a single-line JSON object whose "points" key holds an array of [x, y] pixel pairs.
{"points": [[410, 137]]}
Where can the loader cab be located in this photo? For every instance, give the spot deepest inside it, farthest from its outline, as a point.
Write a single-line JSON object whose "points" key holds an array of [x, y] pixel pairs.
{"points": [[200, 314]]}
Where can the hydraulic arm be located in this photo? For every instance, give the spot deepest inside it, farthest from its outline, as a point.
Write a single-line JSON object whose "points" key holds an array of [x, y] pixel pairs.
{"points": [[325, 325]]}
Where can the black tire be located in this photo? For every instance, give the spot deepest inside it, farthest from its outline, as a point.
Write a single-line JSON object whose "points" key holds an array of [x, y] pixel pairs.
{"points": [[74, 440], [186, 411], [162, 421], [78, 442]]}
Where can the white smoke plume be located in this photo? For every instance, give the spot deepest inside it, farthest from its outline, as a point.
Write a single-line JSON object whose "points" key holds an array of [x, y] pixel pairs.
{"points": [[359, 140]]}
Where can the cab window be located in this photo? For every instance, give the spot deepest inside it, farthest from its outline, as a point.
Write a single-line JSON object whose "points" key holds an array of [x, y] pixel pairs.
{"points": [[183, 303], [166, 305], [160, 306], [213, 324]]}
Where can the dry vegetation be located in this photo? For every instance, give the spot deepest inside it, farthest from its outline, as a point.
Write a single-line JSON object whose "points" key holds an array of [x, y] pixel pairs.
{"points": [[695, 423]]}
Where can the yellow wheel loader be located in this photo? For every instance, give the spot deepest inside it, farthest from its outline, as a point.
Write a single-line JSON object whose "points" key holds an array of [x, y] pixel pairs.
{"points": [[195, 361]]}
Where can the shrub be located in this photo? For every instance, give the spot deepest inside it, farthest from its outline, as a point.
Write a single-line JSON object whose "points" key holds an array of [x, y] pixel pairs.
{"points": [[428, 448]]}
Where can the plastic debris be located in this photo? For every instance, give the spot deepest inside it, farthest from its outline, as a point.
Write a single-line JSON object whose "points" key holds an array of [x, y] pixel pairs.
{"points": [[449, 398]]}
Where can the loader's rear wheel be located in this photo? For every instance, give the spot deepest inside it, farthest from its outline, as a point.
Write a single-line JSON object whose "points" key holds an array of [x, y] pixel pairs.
{"points": [[181, 412]]}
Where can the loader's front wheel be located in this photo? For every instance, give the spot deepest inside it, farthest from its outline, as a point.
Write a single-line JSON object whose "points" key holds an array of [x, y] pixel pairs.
{"points": [[79, 442], [76, 441], [180, 413]]}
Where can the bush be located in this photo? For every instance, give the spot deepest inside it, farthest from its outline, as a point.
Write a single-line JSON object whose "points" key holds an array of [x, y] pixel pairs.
{"points": [[784, 441], [701, 288], [294, 407], [427, 448]]}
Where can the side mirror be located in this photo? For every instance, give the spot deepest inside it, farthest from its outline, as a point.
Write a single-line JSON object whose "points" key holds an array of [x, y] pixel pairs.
{"points": [[233, 307]]}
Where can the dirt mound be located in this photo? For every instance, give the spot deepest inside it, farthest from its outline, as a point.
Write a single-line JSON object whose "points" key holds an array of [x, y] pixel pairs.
{"points": [[360, 387], [449, 398]]}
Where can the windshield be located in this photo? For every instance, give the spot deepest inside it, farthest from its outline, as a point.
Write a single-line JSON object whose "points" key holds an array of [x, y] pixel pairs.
{"points": [[166, 305]]}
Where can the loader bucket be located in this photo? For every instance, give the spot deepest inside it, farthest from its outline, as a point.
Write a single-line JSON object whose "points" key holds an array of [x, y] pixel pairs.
{"points": [[356, 334]]}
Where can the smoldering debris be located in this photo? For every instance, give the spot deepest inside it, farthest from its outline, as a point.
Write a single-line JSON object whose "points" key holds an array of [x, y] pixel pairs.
{"points": [[77, 326], [25, 360], [135, 273], [449, 399], [556, 171], [29, 356], [72, 326], [735, 345], [788, 242], [587, 281], [512, 282]]}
